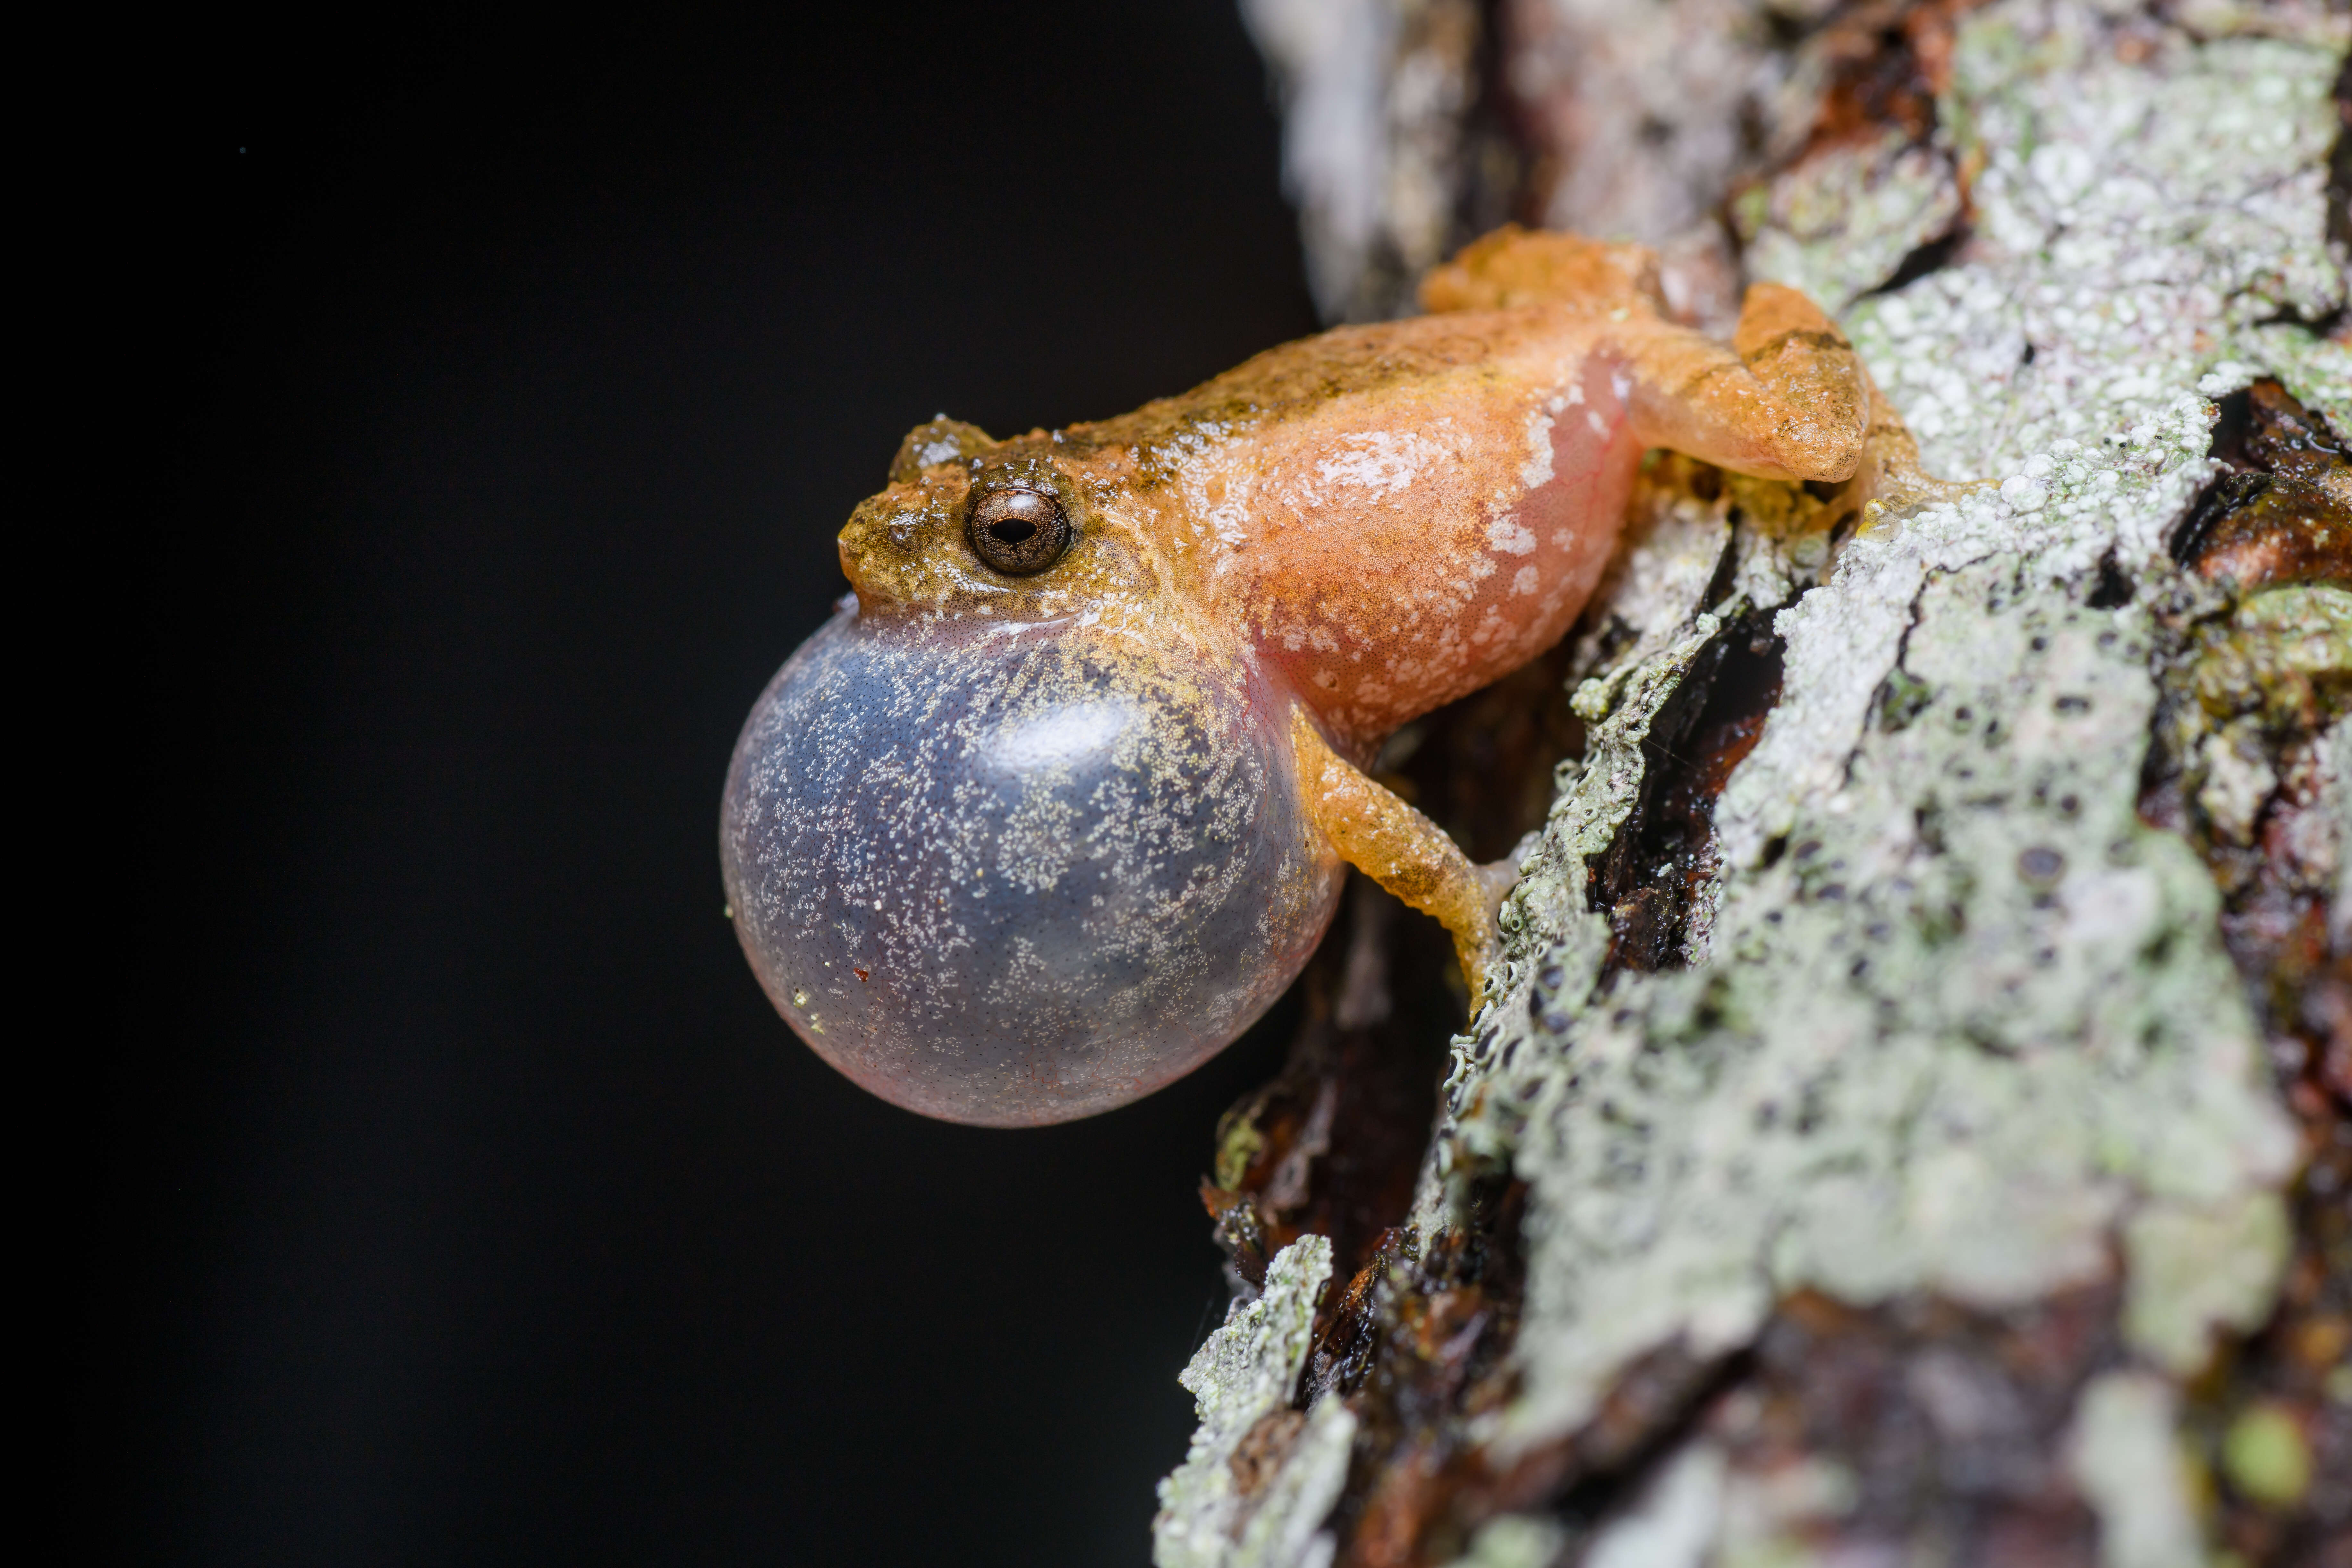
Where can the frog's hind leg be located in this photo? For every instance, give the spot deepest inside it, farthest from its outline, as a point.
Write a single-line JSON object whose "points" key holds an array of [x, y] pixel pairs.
{"points": [[1513, 266], [1891, 475], [1789, 399], [1403, 851]]}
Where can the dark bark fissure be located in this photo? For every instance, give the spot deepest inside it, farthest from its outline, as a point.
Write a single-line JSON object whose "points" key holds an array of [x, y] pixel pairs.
{"points": [[2279, 512], [1494, 172], [1932, 257], [1418, 1344], [2113, 587], [1953, 1422], [1331, 1146], [1663, 855]]}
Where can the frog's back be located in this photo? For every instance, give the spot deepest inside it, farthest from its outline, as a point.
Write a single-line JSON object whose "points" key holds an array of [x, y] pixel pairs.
{"points": [[1398, 513], [1512, 295], [1294, 382]]}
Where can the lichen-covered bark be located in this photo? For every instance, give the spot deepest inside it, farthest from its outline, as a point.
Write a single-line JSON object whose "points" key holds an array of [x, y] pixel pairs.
{"points": [[1910, 1118]]}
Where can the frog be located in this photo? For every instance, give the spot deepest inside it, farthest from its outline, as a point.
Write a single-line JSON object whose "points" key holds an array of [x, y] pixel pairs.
{"points": [[1063, 798]]}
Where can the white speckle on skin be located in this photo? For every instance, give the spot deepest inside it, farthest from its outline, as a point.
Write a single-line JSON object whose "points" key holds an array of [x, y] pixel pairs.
{"points": [[1506, 534], [1385, 462], [1537, 469]]}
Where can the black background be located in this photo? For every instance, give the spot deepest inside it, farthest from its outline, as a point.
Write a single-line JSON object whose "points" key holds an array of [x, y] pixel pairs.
{"points": [[495, 393]]}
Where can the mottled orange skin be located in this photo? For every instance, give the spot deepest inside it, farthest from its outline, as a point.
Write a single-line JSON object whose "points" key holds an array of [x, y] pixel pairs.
{"points": [[1391, 516]]}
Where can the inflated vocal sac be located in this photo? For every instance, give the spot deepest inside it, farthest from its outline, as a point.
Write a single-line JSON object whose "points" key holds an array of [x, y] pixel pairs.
{"points": [[1011, 875]]}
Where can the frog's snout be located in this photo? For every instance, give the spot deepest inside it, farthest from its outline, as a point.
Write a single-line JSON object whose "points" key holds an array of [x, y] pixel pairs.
{"points": [[882, 544], [1017, 874], [853, 567]]}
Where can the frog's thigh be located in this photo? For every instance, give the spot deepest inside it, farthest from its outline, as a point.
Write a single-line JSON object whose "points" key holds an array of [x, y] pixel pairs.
{"points": [[1398, 848], [1788, 400]]}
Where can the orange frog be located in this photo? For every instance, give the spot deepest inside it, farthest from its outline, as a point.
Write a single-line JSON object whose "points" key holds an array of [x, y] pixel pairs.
{"points": [[1064, 802]]}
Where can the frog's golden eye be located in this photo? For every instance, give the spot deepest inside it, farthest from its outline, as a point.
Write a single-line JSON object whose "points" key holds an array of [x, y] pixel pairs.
{"points": [[1018, 530]]}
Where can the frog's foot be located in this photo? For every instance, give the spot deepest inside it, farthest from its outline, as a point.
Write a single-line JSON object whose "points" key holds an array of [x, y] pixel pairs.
{"points": [[1788, 400], [1891, 478], [1403, 851]]}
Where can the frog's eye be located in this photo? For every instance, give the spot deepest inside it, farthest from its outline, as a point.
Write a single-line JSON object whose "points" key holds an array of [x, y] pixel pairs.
{"points": [[1018, 530]]}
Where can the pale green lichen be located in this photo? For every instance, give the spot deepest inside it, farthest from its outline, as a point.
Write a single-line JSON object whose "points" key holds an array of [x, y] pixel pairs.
{"points": [[2129, 1467], [1874, 202], [1767, 1516], [1675, 1521], [2267, 1456], [1243, 1380], [1515, 1541], [2194, 1270]]}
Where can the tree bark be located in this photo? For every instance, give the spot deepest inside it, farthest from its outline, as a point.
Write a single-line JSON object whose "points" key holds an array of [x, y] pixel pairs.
{"points": [[1912, 1117]]}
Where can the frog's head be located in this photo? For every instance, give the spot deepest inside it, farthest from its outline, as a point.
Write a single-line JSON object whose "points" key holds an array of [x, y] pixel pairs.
{"points": [[1015, 840], [1030, 529]]}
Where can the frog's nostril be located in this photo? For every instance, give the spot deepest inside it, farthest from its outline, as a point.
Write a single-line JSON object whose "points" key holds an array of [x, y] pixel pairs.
{"points": [[1018, 530]]}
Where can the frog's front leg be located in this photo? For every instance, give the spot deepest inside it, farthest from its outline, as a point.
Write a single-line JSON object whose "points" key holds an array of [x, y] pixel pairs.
{"points": [[1403, 851]]}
